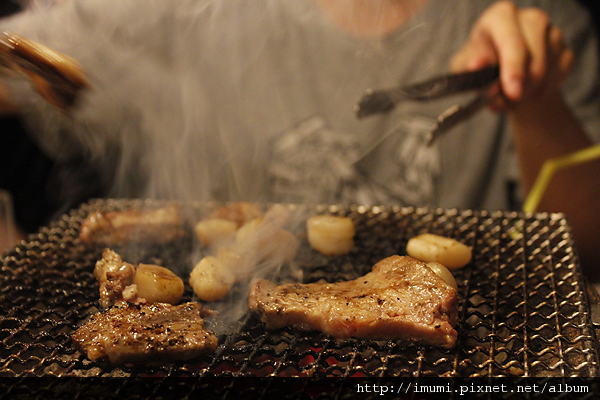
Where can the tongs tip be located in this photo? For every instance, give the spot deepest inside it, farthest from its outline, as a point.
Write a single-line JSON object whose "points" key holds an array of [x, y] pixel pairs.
{"points": [[384, 100], [373, 102]]}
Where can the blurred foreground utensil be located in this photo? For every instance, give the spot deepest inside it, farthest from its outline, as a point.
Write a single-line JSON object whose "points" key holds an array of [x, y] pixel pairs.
{"points": [[8, 232], [57, 77], [385, 100]]}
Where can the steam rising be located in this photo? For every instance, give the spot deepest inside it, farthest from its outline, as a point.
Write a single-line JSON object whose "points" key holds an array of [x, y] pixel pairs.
{"points": [[149, 123], [259, 249], [175, 111]]}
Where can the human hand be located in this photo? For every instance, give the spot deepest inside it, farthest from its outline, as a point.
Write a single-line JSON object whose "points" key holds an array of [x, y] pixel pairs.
{"points": [[530, 50]]}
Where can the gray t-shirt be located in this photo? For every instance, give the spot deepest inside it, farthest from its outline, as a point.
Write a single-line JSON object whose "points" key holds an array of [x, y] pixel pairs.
{"points": [[227, 100]]}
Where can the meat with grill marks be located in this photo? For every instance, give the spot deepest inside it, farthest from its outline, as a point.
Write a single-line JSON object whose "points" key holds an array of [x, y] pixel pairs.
{"points": [[401, 299], [141, 333], [117, 228]]}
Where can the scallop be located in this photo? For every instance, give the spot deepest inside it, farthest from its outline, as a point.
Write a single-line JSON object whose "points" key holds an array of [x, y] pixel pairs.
{"points": [[282, 248], [252, 233], [449, 252], [211, 279], [330, 235], [265, 242], [443, 273], [157, 284], [215, 231], [238, 262]]}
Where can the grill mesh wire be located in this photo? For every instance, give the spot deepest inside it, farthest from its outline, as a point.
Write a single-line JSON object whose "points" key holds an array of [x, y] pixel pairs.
{"points": [[523, 306]]}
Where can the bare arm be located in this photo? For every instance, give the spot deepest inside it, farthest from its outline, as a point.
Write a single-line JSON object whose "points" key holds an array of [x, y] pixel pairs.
{"points": [[534, 62], [547, 129]]}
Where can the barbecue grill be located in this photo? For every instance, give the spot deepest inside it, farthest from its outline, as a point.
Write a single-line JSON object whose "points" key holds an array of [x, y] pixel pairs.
{"points": [[524, 310]]}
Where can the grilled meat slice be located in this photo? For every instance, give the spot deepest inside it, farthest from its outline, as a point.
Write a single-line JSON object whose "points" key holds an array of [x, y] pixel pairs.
{"points": [[160, 226], [129, 333], [400, 299]]}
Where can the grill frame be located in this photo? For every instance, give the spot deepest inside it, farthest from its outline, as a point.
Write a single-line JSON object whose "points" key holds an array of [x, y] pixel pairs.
{"points": [[524, 309]]}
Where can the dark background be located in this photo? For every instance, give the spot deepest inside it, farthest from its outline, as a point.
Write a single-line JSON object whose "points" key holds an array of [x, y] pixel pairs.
{"points": [[41, 188], [38, 184], [24, 169], [594, 8]]}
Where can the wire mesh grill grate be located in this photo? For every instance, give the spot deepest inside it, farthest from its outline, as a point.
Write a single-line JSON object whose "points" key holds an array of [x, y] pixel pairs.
{"points": [[523, 306]]}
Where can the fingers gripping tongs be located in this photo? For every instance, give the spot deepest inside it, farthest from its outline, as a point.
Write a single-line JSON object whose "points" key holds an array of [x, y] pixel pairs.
{"points": [[385, 100]]}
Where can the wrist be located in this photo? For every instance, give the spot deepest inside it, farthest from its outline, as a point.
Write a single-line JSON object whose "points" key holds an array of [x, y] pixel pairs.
{"points": [[541, 116], [539, 104], [545, 121]]}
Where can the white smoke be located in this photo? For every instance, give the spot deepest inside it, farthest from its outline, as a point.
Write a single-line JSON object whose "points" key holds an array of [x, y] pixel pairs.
{"points": [[175, 112], [170, 112]]}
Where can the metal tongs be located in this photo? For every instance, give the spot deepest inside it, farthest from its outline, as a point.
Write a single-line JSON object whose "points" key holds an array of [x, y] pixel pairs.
{"points": [[58, 78], [385, 100]]}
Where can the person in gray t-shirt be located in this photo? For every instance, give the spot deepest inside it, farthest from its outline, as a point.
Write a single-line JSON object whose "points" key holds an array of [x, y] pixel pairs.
{"points": [[253, 100]]}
